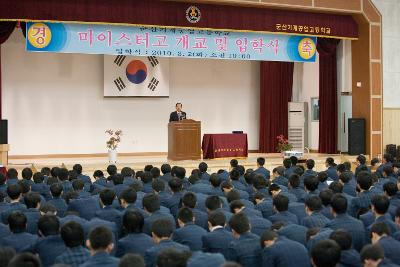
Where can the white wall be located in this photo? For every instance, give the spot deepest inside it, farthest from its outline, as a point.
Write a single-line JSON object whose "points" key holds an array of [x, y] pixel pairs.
{"points": [[390, 10], [55, 104]]}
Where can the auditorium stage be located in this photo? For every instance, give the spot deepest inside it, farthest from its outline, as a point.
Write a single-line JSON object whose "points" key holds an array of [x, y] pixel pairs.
{"points": [[95, 162]]}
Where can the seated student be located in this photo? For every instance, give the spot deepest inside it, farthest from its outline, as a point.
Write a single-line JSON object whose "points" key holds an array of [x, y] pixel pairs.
{"points": [[248, 177], [343, 221], [218, 239], [391, 191], [214, 203], [32, 201], [278, 251], [314, 218], [50, 245], [171, 257], [147, 179], [86, 179], [79, 186], [14, 193], [274, 190], [379, 207], [56, 200], [363, 200], [62, 175], [19, 239], [375, 162], [323, 181], [86, 207], [361, 164], [348, 187], [166, 171], [234, 177], [203, 172], [295, 189], [27, 175], [188, 233], [291, 231], [258, 224], [119, 186], [387, 160], [128, 174], [12, 175], [260, 185], [260, 168], [159, 189], [75, 253], [173, 202], [111, 170], [373, 256], [310, 164], [325, 253], [199, 186], [233, 195], [134, 241], [281, 206], [246, 248], [107, 211], [189, 200], [151, 204], [161, 231], [380, 234], [128, 201], [331, 169], [388, 176], [264, 205], [311, 184], [278, 176], [228, 187], [39, 186], [287, 165], [180, 173], [100, 182], [100, 244], [132, 260], [348, 256], [215, 182]]}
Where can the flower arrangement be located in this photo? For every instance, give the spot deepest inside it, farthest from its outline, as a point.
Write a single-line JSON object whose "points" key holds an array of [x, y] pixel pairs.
{"points": [[115, 138], [283, 144]]}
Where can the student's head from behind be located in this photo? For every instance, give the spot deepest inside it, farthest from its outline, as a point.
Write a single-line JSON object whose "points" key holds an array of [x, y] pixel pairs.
{"points": [[268, 238], [161, 229], [48, 209], [62, 174], [311, 183], [98, 174], [339, 204], [127, 172], [56, 189], [165, 168], [25, 259], [294, 181], [380, 204], [151, 203], [132, 222], [155, 172], [213, 203], [176, 185], [260, 162], [185, 216], [310, 163], [12, 173], [313, 204], [78, 185], [329, 162], [112, 169], [379, 230], [131, 260], [48, 225], [180, 172], [117, 179], [107, 197], [158, 185], [172, 257], [216, 218], [72, 234], [17, 222], [280, 203], [6, 254], [27, 173], [14, 192], [189, 200], [342, 238], [239, 224], [364, 181], [32, 200], [234, 163], [372, 255], [325, 253], [100, 239]]}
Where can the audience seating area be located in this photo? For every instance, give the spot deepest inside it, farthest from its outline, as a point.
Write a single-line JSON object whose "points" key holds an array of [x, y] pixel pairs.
{"points": [[289, 216]]}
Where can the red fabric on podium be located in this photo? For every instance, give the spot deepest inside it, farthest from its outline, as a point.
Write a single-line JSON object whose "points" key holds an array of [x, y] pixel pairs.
{"points": [[224, 145]]}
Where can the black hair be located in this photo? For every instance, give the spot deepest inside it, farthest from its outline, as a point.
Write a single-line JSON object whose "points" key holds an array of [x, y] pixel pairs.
{"points": [[342, 238], [268, 235], [38, 178], [326, 196], [381, 203], [215, 180], [146, 177], [54, 171], [364, 180], [158, 185], [162, 228], [287, 163], [133, 221], [78, 185], [132, 260], [165, 168], [48, 208], [234, 163], [107, 196], [294, 180], [236, 204], [259, 182], [172, 257], [189, 200], [117, 179], [294, 160], [14, 191], [12, 173], [56, 189], [234, 175], [32, 199], [339, 203], [325, 253], [232, 196], [310, 163], [151, 202], [100, 238], [371, 252], [25, 186], [374, 161], [180, 172], [240, 223], [345, 177], [129, 195], [380, 229], [311, 183], [281, 203], [314, 203], [261, 161], [273, 187], [185, 215], [203, 167], [17, 222], [77, 168], [336, 187], [217, 218], [6, 254], [112, 169], [322, 177], [62, 174], [213, 203], [175, 184], [330, 161], [155, 172], [72, 234], [127, 172], [98, 174], [25, 259], [27, 173], [49, 225], [390, 189]]}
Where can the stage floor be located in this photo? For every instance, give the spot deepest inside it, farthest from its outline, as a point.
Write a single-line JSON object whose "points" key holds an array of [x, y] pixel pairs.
{"points": [[90, 164]]}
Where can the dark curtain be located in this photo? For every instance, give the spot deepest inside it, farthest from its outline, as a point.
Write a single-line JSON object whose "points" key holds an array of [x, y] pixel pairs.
{"points": [[328, 117], [276, 82], [6, 28]]}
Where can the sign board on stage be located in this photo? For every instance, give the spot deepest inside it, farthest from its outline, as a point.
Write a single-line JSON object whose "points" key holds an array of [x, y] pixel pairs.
{"points": [[168, 42]]}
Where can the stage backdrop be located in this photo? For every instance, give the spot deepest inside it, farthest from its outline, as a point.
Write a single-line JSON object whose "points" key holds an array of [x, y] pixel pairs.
{"points": [[136, 76]]}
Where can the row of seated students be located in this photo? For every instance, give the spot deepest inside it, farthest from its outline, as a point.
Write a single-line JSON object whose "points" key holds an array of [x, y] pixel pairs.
{"points": [[292, 216]]}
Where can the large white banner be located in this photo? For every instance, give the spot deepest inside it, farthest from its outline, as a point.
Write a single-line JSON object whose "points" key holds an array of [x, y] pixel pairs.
{"points": [[127, 76]]}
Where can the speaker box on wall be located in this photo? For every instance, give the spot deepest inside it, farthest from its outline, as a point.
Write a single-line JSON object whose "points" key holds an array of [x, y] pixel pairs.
{"points": [[356, 136], [3, 131]]}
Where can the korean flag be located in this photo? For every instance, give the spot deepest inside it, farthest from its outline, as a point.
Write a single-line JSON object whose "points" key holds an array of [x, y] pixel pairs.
{"points": [[136, 76]]}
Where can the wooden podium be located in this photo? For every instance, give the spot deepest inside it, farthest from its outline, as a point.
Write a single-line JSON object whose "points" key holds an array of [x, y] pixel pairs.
{"points": [[184, 140]]}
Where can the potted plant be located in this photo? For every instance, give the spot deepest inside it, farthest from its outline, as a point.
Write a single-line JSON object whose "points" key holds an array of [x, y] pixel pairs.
{"points": [[112, 144], [283, 144]]}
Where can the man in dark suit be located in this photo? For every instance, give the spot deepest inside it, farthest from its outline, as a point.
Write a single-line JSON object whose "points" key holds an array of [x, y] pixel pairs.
{"points": [[278, 251], [188, 233], [177, 115], [135, 240], [161, 231], [50, 245], [246, 248], [218, 239]]}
